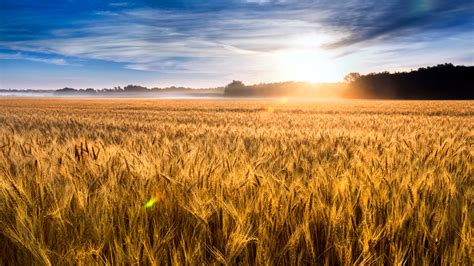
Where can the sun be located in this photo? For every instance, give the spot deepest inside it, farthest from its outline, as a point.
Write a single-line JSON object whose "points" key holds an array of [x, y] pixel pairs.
{"points": [[303, 60], [299, 65]]}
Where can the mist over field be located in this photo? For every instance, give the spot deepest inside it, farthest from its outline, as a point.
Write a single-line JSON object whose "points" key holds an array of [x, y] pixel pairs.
{"points": [[441, 82]]}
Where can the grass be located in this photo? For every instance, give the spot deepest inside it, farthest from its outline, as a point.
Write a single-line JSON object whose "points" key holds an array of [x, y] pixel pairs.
{"points": [[248, 182]]}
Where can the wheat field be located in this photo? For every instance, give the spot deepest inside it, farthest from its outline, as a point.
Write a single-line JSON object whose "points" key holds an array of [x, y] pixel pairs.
{"points": [[236, 182]]}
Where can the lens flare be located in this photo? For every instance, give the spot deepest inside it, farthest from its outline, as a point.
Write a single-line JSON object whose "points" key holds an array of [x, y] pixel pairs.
{"points": [[420, 6], [267, 109], [153, 200]]}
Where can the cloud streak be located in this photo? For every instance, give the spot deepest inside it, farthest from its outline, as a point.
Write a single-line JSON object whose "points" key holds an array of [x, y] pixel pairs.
{"points": [[146, 39], [354, 21], [20, 56]]}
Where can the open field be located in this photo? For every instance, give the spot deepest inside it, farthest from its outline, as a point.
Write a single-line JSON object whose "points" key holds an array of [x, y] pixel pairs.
{"points": [[371, 182]]}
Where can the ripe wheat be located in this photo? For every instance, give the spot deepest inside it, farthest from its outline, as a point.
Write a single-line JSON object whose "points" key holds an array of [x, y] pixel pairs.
{"points": [[350, 182]]}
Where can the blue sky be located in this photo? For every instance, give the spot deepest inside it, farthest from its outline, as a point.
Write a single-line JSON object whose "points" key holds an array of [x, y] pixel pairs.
{"points": [[52, 44]]}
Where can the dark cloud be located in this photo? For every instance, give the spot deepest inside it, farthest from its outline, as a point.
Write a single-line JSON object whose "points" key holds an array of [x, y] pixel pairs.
{"points": [[398, 19]]}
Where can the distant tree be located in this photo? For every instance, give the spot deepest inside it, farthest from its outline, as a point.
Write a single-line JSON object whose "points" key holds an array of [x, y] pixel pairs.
{"points": [[66, 90], [351, 77], [235, 85], [135, 88], [237, 88]]}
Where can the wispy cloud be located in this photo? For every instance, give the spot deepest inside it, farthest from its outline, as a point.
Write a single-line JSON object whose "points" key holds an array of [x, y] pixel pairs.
{"points": [[119, 4], [20, 56], [242, 27], [144, 38]]}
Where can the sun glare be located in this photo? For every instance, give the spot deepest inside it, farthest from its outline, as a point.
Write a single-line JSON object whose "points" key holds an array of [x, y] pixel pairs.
{"points": [[304, 60], [307, 65]]}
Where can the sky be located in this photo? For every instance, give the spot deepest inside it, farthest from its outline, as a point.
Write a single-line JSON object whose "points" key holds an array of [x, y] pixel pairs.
{"points": [[84, 43]]}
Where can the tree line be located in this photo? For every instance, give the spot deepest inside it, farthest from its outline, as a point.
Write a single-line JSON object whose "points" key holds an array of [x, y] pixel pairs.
{"points": [[238, 89], [126, 89], [441, 82], [444, 81]]}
